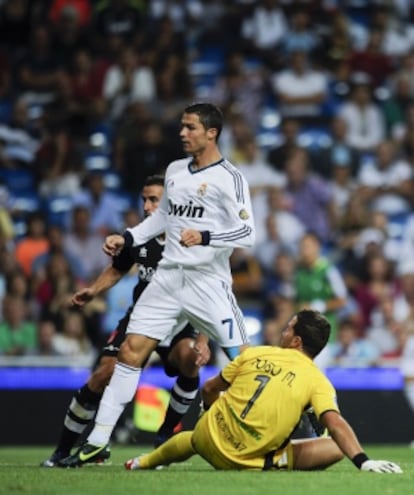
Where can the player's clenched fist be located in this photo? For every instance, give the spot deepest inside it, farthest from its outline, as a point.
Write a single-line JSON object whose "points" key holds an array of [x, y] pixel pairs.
{"points": [[113, 244], [190, 237]]}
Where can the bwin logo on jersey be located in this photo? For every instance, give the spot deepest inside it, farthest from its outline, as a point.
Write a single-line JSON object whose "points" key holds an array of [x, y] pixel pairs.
{"points": [[188, 210]]}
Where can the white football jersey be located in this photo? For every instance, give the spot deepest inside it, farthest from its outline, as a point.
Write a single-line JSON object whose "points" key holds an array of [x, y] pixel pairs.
{"points": [[214, 199]]}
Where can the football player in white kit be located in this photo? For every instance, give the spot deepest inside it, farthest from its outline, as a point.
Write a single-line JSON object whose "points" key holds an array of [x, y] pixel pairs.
{"points": [[206, 213]]}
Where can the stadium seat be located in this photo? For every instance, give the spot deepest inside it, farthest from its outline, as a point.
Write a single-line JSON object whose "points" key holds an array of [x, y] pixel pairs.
{"points": [[57, 209], [18, 181]]}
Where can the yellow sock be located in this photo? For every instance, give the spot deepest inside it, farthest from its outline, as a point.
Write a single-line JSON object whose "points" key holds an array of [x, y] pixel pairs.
{"points": [[177, 449]]}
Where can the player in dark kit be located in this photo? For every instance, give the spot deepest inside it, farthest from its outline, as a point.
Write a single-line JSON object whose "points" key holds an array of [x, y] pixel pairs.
{"points": [[181, 357]]}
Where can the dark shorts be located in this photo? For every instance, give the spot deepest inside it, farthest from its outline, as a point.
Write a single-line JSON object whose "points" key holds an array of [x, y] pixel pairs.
{"points": [[116, 338]]}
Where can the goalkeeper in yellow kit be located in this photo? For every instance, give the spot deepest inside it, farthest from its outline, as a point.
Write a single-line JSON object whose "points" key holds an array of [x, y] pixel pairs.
{"points": [[266, 390]]}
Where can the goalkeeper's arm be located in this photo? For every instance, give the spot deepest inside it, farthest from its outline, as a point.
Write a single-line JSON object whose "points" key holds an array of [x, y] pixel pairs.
{"points": [[211, 390], [346, 439]]}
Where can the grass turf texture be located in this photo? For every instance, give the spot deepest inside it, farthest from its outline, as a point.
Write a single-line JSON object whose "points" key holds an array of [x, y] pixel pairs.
{"points": [[20, 474]]}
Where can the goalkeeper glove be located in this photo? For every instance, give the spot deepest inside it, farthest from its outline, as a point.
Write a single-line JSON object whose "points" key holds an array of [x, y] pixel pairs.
{"points": [[381, 467]]}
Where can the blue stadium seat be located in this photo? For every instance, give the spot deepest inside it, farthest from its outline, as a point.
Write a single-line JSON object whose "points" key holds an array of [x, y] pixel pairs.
{"points": [[18, 181], [314, 138], [57, 209], [97, 161]]}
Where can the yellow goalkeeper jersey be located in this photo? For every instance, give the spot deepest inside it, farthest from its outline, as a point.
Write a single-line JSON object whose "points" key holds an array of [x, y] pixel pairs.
{"points": [[270, 388]]}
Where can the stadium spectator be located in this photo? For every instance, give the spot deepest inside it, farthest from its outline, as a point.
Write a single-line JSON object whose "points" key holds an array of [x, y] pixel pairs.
{"points": [[364, 119], [16, 18], [372, 60], [72, 341], [147, 145], [385, 331], [309, 196], [261, 178], [396, 108], [17, 333], [241, 88], [300, 36], [82, 243], [262, 31], [318, 284], [279, 286], [342, 183], [288, 140], [33, 243], [336, 152], [18, 285], [397, 39], [127, 81], [39, 69], [306, 334], [115, 18], [46, 334], [20, 139], [386, 182], [247, 276], [53, 288], [283, 228], [379, 283], [300, 89], [103, 205], [174, 89], [85, 75], [81, 8], [350, 349], [69, 34]]}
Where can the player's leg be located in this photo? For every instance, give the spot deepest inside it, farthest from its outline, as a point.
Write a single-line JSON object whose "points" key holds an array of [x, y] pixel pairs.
{"points": [[179, 360], [314, 453], [85, 402], [81, 410], [211, 307], [177, 449], [152, 319]]}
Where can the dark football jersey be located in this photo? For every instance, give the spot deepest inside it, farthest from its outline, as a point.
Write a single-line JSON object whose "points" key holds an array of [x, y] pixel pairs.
{"points": [[146, 257]]}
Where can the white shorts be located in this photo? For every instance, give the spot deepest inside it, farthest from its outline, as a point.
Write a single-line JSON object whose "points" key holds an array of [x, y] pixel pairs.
{"points": [[177, 294]]}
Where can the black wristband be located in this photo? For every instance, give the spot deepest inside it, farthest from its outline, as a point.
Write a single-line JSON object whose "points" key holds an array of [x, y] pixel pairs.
{"points": [[205, 237], [129, 240], [359, 459]]}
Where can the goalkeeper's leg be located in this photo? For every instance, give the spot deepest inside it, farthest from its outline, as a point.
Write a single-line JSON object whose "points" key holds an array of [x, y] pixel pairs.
{"points": [[177, 449], [315, 453]]}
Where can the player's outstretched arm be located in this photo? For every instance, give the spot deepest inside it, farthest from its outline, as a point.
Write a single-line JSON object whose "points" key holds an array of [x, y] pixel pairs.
{"points": [[344, 436], [105, 280]]}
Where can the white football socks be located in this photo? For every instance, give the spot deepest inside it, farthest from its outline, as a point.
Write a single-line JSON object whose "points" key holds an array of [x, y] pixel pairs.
{"points": [[118, 393]]}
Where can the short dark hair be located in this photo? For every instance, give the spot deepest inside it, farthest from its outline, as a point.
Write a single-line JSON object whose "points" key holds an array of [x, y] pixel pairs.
{"points": [[154, 180], [210, 116], [314, 330]]}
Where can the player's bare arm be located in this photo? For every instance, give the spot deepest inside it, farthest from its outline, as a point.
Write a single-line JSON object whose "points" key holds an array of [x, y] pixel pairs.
{"points": [[107, 279], [190, 237], [344, 436], [113, 244], [211, 390]]}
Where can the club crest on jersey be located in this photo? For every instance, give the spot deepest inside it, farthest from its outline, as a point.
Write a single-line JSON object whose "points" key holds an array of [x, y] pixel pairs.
{"points": [[143, 252], [243, 214], [202, 190]]}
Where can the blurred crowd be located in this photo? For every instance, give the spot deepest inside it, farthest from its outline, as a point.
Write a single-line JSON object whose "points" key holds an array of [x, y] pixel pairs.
{"points": [[318, 98]]}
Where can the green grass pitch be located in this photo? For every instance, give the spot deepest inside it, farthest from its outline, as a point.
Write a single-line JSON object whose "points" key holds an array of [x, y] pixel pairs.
{"points": [[20, 474]]}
